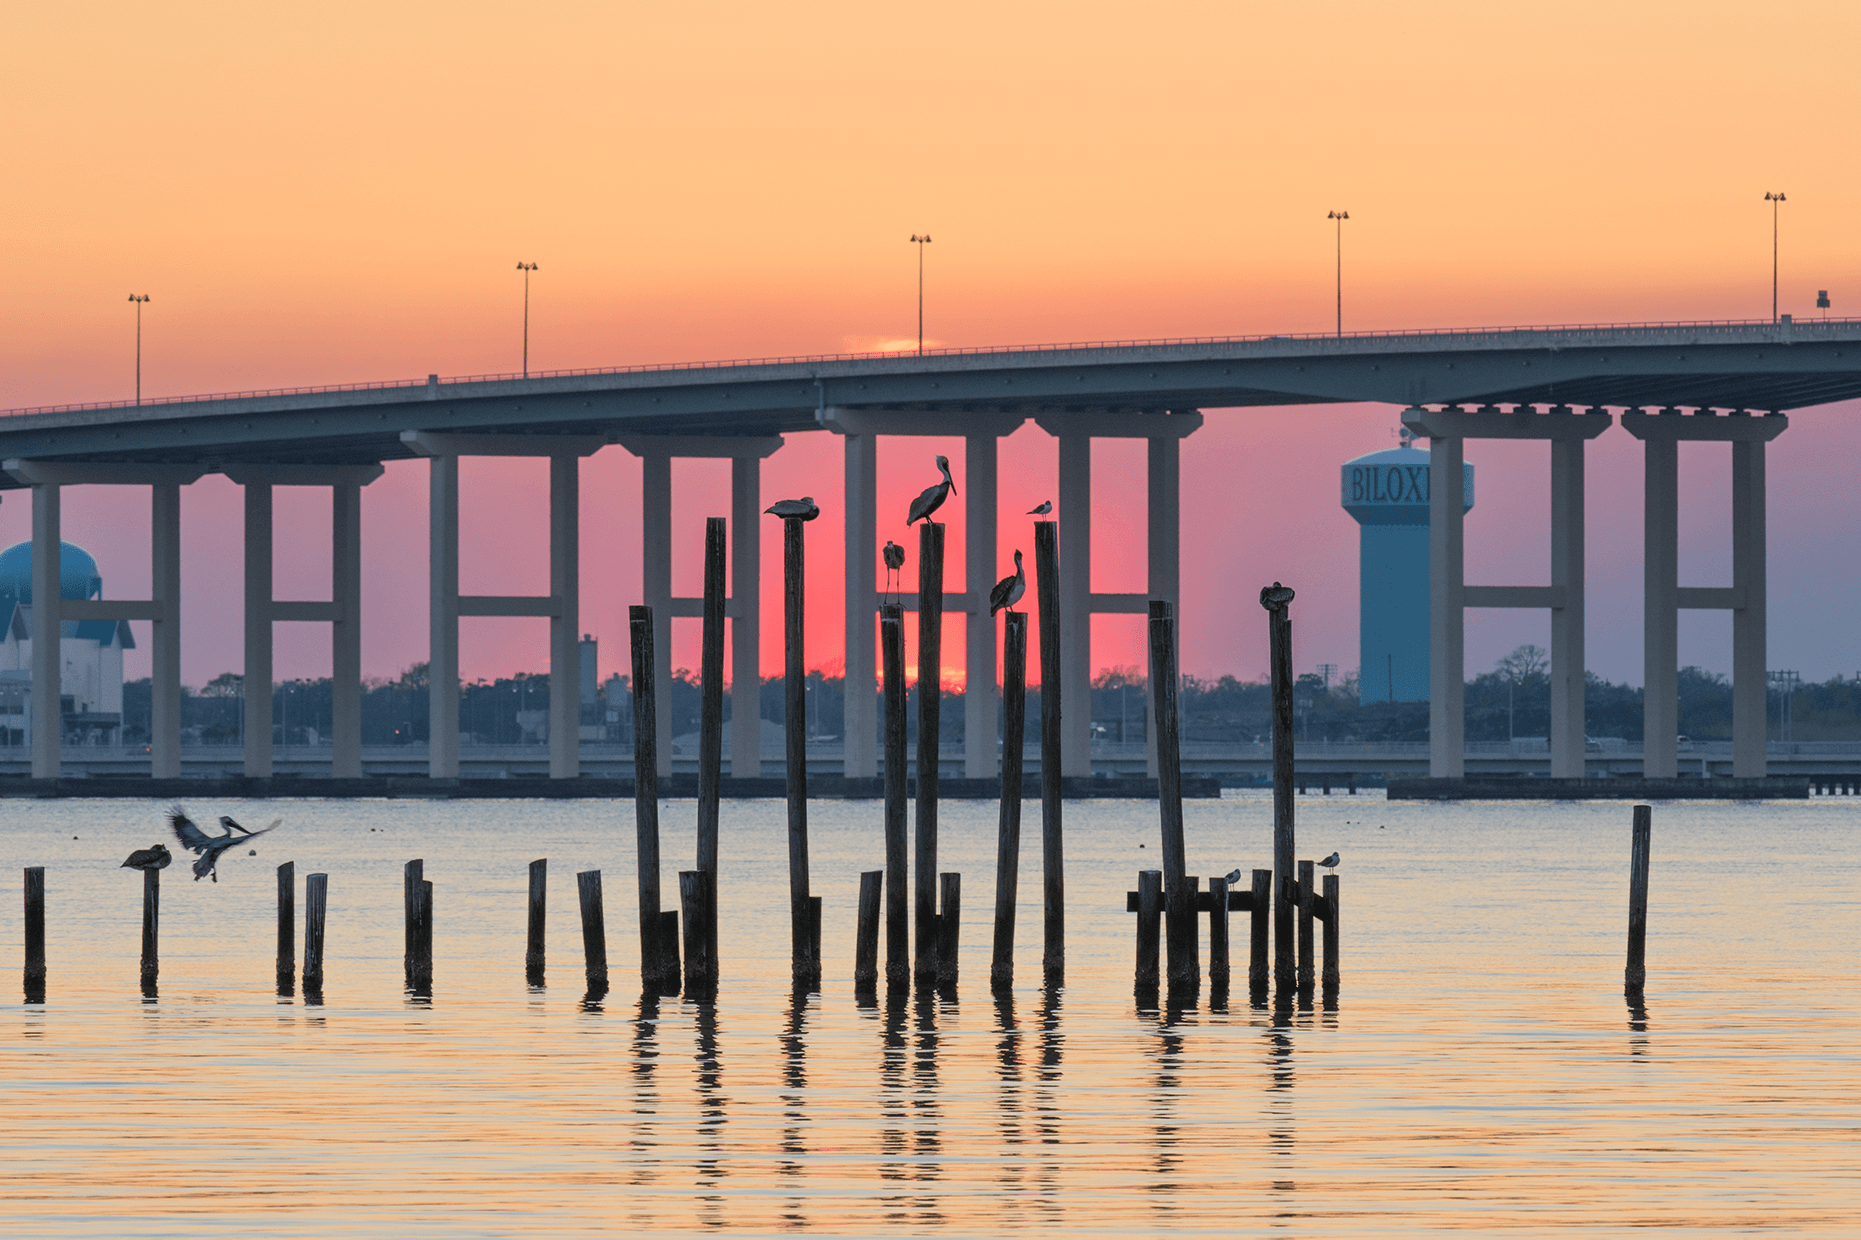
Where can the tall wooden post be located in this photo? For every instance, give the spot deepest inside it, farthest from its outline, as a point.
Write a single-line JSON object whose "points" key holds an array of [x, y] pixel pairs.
{"points": [[412, 874], [1329, 980], [711, 740], [1640, 857], [1149, 913], [805, 952], [1258, 935], [645, 794], [35, 934], [866, 939], [316, 909], [1052, 852], [695, 901], [897, 877], [930, 703], [1218, 962], [539, 903], [1008, 826], [1277, 600], [594, 931], [1307, 944], [287, 928], [1185, 970]]}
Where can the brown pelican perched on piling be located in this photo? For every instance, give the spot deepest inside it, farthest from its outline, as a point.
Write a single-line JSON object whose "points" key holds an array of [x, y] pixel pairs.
{"points": [[933, 497], [1008, 590], [209, 847], [805, 508], [156, 858], [894, 560], [1041, 509]]}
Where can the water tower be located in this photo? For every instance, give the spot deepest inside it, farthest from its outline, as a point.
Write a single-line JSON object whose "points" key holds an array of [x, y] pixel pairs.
{"points": [[1387, 492]]}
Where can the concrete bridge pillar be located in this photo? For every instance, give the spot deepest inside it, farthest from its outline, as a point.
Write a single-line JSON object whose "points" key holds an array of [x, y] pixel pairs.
{"points": [[1447, 620], [47, 620]]}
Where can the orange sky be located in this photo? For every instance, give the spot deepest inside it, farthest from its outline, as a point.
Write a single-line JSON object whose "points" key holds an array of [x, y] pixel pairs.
{"points": [[342, 194]]}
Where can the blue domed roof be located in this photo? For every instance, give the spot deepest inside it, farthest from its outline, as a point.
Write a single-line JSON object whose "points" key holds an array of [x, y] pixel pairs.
{"points": [[77, 573], [1391, 487]]}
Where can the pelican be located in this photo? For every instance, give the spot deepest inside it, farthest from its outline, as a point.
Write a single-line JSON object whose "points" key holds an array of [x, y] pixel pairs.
{"points": [[805, 508], [1008, 590], [894, 560], [1331, 862], [1041, 509], [156, 858], [1275, 597], [933, 497], [209, 847]]}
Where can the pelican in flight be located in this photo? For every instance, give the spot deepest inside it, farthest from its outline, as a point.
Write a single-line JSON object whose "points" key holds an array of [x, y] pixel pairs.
{"points": [[209, 847], [1008, 590], [156, 858], [805, 508], [933, 497], [1041, 509], [894, 560]]}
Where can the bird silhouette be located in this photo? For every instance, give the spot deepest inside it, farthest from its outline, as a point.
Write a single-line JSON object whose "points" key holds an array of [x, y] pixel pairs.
{"points": [[1331, 862], [156, 858], [1041, 509], [805, 508], [1275, 597], [932, 498], [1008, 590], [1234, 877], [894, 560], [209, 847]]}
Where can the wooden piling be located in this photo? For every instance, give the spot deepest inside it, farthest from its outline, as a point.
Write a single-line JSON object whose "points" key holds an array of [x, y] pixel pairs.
{"points": [[1008, 827], [422, 979], [1258, 932], [1277, 600], [694, 889], [1306, 945], [1184, 968], [412, 874], [930, 722], [866, 940], [668, 967], [539, 903], [316, 911], [1149, 915], [897, 877], [949, 926], [287, 928], [1641, 849], [151, 927], [711, 739], [1052, 852], [1329, 979], [814, 930], [1218, 934], [594, 930], [35, 934], [804, 945], [645, 795]]}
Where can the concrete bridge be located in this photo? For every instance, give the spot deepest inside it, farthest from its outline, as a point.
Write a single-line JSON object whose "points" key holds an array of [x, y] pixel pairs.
{"points": [[1668, 382]]}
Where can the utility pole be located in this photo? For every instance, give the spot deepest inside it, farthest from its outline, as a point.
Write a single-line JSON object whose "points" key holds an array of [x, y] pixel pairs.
{"points": [[1340, 217], [139, 299], [1775, 200], [920, 242], [526, 268]]}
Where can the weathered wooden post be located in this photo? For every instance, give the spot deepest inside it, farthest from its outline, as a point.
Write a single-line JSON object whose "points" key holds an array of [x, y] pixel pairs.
{"points": [[804, 942], [646, 793], [412, 874], [1262, 902], [539, 902], [667, 969], [1008, 827], [1277, 600], [1149, 913], [35, 934], [1641, 849], [1052, 852], [1218, 934], [594, 930], [711, 745], [316, 911], [897, 878], [866, 940], [1185, 970], [694, 887], [930, 722], [1330, 978], [151, 928], [949, 926], [423, 934], [287, 928], [1306, 945]]}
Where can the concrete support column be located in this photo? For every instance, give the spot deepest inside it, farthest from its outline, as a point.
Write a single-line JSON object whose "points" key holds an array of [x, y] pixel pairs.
{"points": [[862, 557], [745, 620], [979, 691], [165, 631], [346, 631], [1164, 557], [1567, 662], [1660, 658], [1447, 749], [443, 617], [258, 630], [656, 587], [565, 663], [1749, 689], [1076, 604], [47, 627]]}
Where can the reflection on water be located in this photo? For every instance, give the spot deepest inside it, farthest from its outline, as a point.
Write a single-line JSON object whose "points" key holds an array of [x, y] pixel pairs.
{"points": [[1471, 1076]]}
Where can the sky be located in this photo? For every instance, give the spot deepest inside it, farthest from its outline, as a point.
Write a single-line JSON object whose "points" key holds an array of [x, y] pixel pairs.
{"points": [[341, 193]]}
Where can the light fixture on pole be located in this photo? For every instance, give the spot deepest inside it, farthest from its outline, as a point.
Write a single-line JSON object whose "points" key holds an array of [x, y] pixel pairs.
{"points": [[138, 298], [526, 268], [1340, 217], [1774, 200], [920, 242]]}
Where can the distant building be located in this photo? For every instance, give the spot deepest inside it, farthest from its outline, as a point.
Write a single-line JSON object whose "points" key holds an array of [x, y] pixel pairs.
{"points": [[1387, 493], [91, 680]]}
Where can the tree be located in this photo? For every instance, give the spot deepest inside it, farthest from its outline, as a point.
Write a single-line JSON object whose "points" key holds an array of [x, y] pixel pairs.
{"points": [[1523, 665], [225, 685]]}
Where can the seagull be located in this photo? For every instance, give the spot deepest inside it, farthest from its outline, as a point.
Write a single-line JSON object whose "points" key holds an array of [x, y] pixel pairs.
{"points": [[1234, 877], [805, 508], [894, 560], [1042, 509], [1008, 590], [933, 497], [1331, 862], [209, 847], [156, 858]]}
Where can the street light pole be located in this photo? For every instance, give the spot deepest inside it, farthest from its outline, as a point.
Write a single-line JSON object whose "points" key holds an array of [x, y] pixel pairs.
{"points": [[920, 242], [1340, 217], [138, 298], [526, 268], [1774, 200]]}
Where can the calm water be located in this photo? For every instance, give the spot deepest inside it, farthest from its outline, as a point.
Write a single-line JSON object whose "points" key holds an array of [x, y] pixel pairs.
{"points": [[1480, 1073]]}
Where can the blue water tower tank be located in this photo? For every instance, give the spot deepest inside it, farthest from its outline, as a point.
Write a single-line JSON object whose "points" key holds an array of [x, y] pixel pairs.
{"points": [[1387, 492]]}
